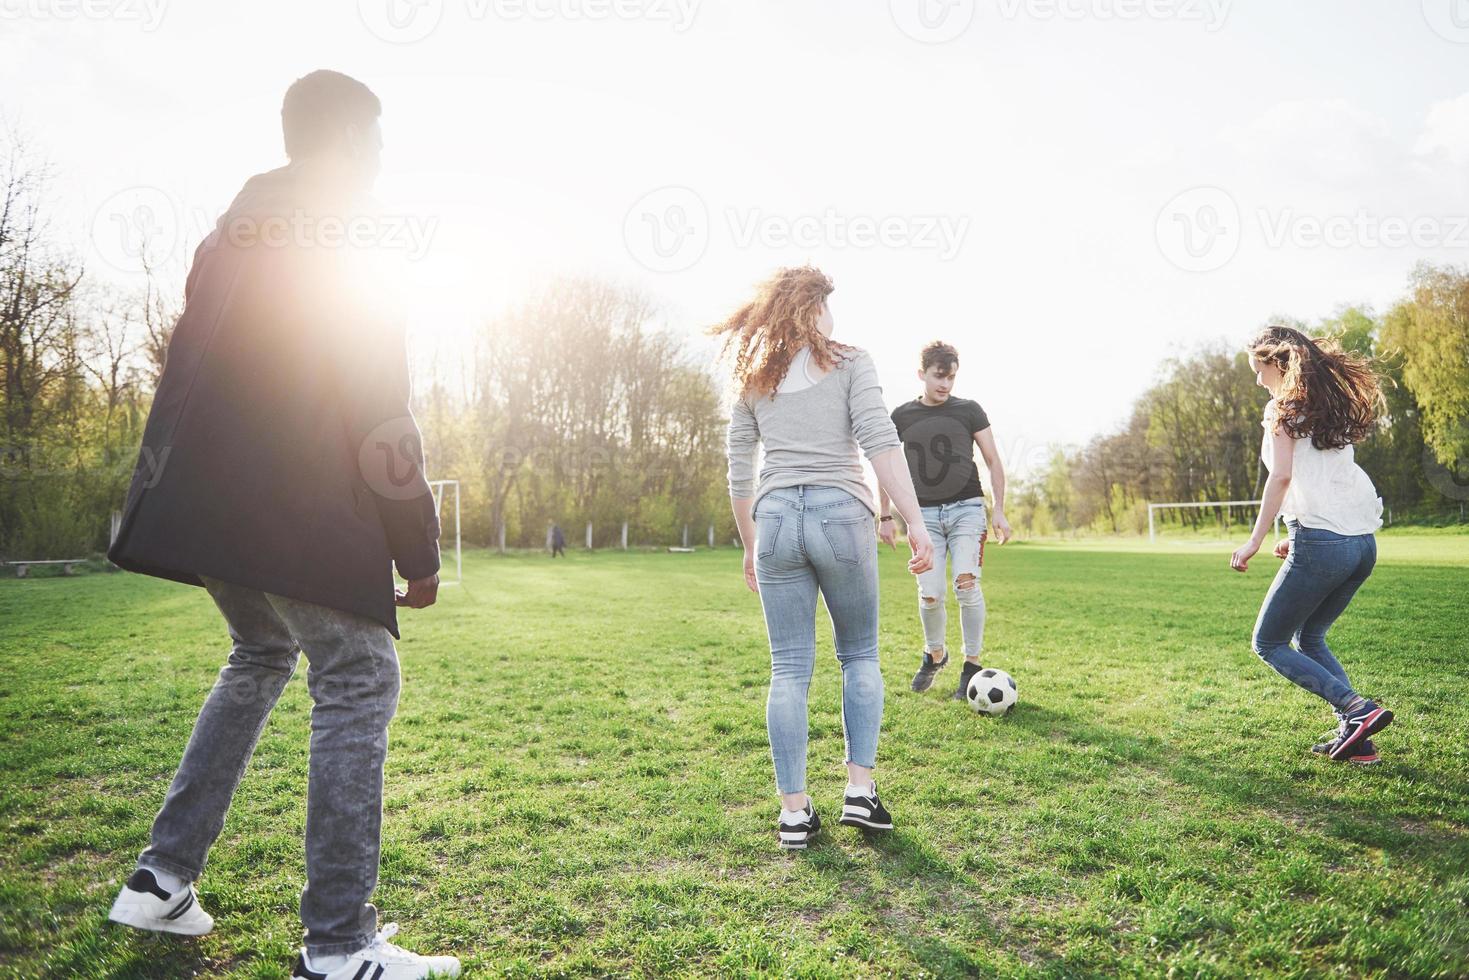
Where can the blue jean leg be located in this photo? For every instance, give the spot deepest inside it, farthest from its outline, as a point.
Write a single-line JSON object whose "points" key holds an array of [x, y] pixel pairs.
{"points": [[812, 540], [1311, 590], [1311, 637], [788, 589], [845, 558]]}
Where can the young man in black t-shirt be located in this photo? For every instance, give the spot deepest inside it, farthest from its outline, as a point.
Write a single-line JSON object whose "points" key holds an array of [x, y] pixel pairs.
{"points": [[939, 433]]}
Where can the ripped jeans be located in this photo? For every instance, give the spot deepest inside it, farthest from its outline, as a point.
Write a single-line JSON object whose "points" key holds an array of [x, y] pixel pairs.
{"points": [[958, 532], [811, 539]]}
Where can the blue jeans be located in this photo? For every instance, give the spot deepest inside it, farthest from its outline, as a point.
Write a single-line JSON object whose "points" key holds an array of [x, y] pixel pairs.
{"points": [[1312, 588], [811, 539], [958, 531]]}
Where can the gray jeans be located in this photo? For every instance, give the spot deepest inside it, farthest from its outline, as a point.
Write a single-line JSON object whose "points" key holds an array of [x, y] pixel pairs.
{"points": [[353, 679]]}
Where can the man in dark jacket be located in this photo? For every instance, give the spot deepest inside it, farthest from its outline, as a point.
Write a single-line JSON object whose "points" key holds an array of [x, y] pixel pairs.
{"points": [[281, 469]]}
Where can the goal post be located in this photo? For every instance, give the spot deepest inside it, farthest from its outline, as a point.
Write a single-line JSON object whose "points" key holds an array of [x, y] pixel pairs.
{"points": [[1152, 507], [439, 488]]}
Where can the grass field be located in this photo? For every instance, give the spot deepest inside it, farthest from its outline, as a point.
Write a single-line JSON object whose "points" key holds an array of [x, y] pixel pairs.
{"points": [[579, 782]]}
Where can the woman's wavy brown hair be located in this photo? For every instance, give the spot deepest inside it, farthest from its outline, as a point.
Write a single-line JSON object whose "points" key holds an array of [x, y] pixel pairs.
{"points": [[765, 333], [1326, 393]]}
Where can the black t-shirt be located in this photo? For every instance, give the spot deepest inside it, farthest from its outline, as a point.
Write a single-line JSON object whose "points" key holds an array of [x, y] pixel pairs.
{"points": [[939, 443]]}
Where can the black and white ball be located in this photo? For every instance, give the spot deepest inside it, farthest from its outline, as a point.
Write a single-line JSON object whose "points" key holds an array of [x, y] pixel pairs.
{"points": [[991, 692]]}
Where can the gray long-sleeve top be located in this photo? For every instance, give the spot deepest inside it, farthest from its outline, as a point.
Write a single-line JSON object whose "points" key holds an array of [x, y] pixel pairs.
{"points": [[812, 435]]}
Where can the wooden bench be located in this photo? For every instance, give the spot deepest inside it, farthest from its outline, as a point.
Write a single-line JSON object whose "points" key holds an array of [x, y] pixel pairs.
{"points": [[68, 565]]}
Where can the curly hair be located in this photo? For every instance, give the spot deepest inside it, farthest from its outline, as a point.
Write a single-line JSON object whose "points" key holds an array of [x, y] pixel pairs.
{"points": [[1332, 396], [765, 333]]}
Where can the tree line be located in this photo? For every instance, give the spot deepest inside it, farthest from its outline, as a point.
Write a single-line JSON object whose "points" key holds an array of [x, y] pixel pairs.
{"points": [[576, 407], [1195, 434], [572, 407]]}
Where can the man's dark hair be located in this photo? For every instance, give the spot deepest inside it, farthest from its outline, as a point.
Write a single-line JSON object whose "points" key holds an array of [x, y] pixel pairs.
{"points": [[320, 106], [941, 355]]}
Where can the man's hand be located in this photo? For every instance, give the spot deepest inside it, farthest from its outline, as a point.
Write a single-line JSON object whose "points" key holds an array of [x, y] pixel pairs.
{"points": [[421, 592], [922, 546], [887, 533], [1240, 560], [750, 572], [1282, 548], [1001, 526]]}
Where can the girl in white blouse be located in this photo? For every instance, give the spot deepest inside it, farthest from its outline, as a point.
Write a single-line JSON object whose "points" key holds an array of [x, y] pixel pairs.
{"points": [[1323, 401]]}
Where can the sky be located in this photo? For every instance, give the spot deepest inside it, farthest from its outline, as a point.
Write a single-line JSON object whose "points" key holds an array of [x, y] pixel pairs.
{"points": [[1069, 191]]}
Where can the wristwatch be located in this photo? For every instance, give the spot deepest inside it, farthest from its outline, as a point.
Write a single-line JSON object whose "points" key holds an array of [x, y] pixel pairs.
{"points": [[887, 517]]}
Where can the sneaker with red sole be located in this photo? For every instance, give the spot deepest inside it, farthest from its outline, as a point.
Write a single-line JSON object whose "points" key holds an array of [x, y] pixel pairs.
{"points": [[1365, 754], [1357, 726]]}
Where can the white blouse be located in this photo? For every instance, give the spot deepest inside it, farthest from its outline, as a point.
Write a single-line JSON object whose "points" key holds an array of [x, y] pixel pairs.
{"points": [[1327, 488]]}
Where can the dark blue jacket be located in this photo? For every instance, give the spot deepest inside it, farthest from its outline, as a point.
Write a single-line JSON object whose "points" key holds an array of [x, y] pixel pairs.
{"points": [[280, 452]]}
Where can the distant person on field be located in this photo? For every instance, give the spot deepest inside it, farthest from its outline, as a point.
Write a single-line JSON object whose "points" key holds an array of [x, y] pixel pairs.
{"points": [[939, 432], [807, 524], [1322, 401], [281, 470], [558, 541]]}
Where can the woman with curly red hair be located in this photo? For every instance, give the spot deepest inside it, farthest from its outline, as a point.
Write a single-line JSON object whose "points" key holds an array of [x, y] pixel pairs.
{"points": [[808, 524], [1324, 400]]}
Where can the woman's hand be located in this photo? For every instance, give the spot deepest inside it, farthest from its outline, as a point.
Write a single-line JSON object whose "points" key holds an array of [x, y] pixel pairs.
{"points": [[887, 533], [922, 546], [1282, 548], [1240, 560], [750, 572]]}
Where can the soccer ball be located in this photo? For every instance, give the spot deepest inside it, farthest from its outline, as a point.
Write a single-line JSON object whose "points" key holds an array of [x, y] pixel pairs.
{"points": [[991, 692]]}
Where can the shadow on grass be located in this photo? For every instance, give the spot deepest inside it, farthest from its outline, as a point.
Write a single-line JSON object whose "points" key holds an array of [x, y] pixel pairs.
{"points": [[1369, 818], [901, 862]]}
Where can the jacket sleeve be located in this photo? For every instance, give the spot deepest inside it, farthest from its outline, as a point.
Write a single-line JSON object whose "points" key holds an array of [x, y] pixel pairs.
{"points": [[371, 351], [872, 426], [742, 443]]}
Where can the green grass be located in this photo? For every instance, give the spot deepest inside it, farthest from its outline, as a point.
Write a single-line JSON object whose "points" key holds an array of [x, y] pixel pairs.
{"points": [[579, 782]]}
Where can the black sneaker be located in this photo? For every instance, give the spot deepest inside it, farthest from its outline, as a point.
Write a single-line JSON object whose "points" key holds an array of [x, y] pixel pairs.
{"points": [[969, 671], [1367, 720], [927, 671], [795, 836], [866, 811], [1365, 754]]}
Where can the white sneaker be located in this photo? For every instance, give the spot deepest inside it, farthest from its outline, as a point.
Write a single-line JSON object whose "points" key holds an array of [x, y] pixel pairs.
{"points": [[381, 960], [143, 904]]}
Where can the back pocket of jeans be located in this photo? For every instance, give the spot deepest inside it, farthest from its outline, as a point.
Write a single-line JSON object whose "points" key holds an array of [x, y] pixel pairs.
{"points": [[849, 538], [767, 529]]}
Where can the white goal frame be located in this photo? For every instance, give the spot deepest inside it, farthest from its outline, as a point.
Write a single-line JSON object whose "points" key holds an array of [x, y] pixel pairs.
{"points": [[438, 487], [1152, 531]]}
